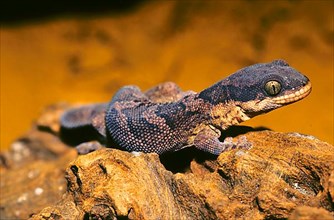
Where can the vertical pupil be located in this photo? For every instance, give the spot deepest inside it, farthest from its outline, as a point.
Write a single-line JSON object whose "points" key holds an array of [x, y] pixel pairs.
{"points": [[272, 88]]}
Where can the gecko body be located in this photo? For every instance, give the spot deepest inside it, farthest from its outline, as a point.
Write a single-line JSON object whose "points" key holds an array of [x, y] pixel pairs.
{"points": [[165, 119]]}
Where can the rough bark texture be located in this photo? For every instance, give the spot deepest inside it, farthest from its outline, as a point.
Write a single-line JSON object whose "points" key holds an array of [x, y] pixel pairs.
{"points": [[284, 175]]}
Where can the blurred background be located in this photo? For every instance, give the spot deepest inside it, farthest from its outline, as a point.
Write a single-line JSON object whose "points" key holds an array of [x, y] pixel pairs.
{"points": [[76, 52]]}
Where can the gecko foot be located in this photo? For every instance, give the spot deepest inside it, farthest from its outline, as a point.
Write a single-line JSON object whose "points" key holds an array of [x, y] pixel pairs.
{"points": [[242, 143], [88, 147]]}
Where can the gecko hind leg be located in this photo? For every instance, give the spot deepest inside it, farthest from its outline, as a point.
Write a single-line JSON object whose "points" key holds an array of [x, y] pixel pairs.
{"points": [[166, 92], [129, 93]]}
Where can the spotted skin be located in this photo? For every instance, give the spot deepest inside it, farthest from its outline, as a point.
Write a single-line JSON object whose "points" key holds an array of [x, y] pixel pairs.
{"points": [[165, 119]]}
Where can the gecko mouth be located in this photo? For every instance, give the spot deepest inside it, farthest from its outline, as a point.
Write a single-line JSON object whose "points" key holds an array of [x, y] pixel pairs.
{"points": [[295, 96]]}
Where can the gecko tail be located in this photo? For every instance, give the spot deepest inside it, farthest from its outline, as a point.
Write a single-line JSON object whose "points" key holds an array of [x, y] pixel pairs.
{"points": [[82, 116], [82, 122]]}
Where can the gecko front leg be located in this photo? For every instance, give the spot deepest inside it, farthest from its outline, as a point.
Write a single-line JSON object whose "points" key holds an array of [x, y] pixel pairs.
{"points": [[208, 140]]}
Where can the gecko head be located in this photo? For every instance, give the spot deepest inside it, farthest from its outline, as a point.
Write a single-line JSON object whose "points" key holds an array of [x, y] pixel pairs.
{"points": [[261, 88]]}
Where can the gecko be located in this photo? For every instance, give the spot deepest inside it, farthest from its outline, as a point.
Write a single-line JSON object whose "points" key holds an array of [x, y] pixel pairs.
{"points": [[166, 119]]}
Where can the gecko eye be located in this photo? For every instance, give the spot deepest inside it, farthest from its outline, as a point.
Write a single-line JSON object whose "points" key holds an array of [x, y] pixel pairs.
{"points": [[273, 88]]}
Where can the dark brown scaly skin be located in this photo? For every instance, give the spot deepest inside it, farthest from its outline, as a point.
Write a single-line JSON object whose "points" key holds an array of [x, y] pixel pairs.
{"points": [[165, 119]]}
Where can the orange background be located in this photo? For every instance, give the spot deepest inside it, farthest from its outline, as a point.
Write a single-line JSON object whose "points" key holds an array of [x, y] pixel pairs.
{"points": [[193, 43]]}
